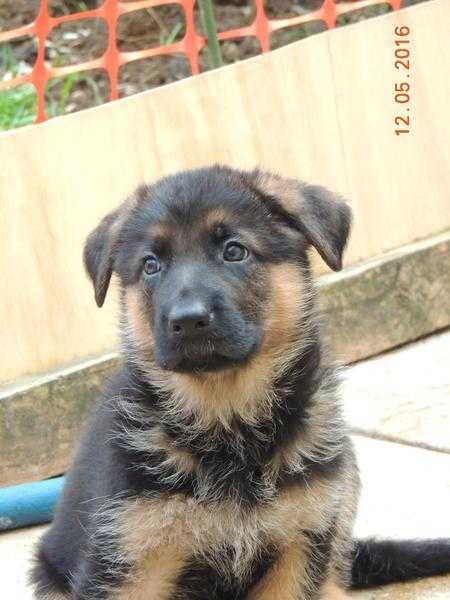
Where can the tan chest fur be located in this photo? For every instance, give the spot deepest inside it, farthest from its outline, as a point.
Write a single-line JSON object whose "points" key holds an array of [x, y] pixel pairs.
{"points": [[160, 536]]}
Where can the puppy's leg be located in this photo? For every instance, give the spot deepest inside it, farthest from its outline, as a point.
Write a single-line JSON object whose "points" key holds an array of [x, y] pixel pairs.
{"points": [[285, 580], [288, 580], [301, 570], [156, 576], [102, 569], [97, 580]]}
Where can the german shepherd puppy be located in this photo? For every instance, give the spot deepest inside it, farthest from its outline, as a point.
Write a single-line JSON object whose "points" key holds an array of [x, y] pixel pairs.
{"points": [[217, 465]]}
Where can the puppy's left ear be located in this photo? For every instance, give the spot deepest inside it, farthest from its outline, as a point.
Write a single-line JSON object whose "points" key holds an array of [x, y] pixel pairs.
{"points": [[99, 255], [321, 216]]}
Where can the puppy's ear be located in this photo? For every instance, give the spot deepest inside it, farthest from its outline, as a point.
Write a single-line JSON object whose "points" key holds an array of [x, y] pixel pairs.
{"points": [[322, 217], [99, 255]]}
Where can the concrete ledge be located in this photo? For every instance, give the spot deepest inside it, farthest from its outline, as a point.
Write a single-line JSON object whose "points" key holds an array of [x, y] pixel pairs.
{"points": [[386, 302], [40, 418], [367, 309]]}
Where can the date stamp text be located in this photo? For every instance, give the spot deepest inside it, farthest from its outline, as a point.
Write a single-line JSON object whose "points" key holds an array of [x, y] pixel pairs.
{"points": [[402, 89]]}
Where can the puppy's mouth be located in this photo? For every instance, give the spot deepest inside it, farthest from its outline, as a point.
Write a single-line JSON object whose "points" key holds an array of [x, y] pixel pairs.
{"points": [[210, 364], [204, 357]]}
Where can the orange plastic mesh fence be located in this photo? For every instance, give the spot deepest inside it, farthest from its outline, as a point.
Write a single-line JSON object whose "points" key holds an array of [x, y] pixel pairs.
{"points": [[191, 44]]}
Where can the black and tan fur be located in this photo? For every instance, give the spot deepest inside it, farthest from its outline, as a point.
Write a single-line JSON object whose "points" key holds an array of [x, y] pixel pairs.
{"points": [[218, 467]]}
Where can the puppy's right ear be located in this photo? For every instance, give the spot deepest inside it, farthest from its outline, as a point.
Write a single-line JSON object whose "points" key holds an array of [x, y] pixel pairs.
{"points": [[99, 255]]}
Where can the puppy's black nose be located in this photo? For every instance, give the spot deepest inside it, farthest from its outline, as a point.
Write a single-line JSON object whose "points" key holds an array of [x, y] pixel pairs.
{"points": [[189, 318]]}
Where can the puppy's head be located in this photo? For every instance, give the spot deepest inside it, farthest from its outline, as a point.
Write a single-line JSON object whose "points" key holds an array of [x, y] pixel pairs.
{"points": [[212, 263]]}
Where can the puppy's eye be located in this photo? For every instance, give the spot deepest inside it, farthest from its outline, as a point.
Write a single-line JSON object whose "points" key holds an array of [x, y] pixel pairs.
{"points": [[151, 265], [234, 252]]}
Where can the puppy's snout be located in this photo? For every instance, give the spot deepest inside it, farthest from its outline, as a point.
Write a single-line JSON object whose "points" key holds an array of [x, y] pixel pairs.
{"points": [[189, 318]]}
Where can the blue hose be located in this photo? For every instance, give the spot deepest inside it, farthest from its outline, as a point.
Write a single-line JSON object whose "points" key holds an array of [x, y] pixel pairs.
{"points": [[29, 503]]}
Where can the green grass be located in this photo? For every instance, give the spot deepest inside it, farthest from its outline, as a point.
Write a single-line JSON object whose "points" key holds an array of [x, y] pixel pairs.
{"points": [[210, 27], [57, 107], [170, 37], [18, 104], [17, 107]]}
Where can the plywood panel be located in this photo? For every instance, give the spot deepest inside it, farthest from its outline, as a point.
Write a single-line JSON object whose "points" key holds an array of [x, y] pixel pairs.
{"points": [[292, 111], [399, 185]]}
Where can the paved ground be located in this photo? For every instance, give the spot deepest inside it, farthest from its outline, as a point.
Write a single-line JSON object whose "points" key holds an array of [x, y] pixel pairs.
{"points": [[399, 404], [404, 395]]}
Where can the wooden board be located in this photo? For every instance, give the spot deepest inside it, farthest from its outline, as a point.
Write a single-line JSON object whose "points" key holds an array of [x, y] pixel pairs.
{"points": [[321, 109]]}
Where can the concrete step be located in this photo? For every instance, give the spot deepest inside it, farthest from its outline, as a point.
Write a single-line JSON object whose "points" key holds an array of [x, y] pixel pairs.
{"points": [[405, 494], [405, 491], [16, 551], [403, 395], [437, 588]]}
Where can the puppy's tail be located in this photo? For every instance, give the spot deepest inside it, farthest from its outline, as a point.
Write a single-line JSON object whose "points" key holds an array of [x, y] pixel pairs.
{"points": [[381, 562]]}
